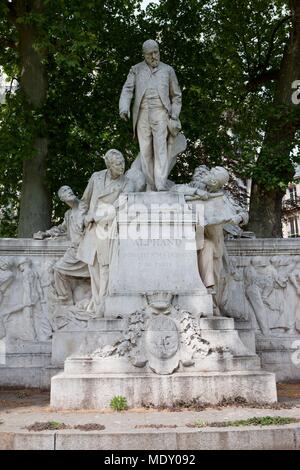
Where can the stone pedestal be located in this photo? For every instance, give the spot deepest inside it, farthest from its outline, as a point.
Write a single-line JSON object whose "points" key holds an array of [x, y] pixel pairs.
{"points": [[71, 341], [168, 347], [96, 391], [28, 364], [156, 252], [91, 382]]}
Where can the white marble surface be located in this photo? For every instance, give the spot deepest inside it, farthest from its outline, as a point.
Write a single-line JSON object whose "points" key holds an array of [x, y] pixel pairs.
{"points": [[276, 351]]}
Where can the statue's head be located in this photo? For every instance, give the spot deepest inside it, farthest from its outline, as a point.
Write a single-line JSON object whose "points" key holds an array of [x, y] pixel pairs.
{"points": [[217, 178], [115, 162], [66, 194], [25, 263], [151, 53], [5, 265], [200, 174], [211, 180]]}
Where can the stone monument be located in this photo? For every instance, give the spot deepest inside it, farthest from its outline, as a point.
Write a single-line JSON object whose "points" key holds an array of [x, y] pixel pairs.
{"points": [[155, 333]]}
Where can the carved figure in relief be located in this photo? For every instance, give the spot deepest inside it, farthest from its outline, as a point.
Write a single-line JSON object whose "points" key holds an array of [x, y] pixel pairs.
{"points": [[35, 324], [232, 295], [273, 294], [6, 278], [253, 290], [294, 277], [31, 309]]}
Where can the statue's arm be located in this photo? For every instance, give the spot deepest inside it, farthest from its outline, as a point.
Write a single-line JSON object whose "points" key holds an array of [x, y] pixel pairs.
{"points": [[86, 201], [175, 95], [127, 94], [55, 231], [239, 215], [185, 189], [189, 191], [58, 230], [129, 186], [240, 218]]}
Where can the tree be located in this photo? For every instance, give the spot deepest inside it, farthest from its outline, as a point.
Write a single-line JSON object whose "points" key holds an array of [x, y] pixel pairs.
{"points": [[236, 61], [26, 17], [280, 138], [69, 59]]}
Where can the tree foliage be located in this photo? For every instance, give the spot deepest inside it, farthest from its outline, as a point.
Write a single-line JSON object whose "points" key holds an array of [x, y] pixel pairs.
{"points": [[227, 55], [86, 59]]}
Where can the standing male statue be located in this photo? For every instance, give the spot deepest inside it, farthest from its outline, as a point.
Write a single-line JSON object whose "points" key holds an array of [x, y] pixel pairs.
{"points": [[156, 109], [100, 200]]}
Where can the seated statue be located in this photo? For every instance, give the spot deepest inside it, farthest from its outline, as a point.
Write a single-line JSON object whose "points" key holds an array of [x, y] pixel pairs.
{"points": [[72, 228], [212, 257]]}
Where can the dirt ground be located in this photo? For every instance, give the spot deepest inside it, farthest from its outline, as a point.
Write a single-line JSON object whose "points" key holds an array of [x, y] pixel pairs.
{"points": [[38, 400], [288, 391], [28, 411]]}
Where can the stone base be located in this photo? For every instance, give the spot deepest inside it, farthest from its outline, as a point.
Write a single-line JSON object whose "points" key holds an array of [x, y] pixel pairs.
{"points": [[246, 334], [280, 354], [94, 391], [119, 306], [70, 341], [27, 377], [231, 370]]}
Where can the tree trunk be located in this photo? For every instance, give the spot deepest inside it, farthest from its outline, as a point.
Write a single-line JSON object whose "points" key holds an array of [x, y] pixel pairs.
{"points": [[274, 158], [265, 212], [35, 205]]}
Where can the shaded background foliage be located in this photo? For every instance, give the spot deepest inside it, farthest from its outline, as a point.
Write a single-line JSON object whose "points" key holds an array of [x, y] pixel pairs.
{"points": [[226, 54]]}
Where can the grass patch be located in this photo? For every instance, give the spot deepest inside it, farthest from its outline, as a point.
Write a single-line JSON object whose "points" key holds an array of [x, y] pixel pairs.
{"points": [[89, 427], [155, 426], [198, 405], [56, 426], [118, 403], [256, 421], [47, 426], [23, 393]]}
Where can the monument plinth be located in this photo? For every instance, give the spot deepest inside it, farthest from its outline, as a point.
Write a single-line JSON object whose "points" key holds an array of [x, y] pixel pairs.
{"points": [[170, 348], [155, 253]]}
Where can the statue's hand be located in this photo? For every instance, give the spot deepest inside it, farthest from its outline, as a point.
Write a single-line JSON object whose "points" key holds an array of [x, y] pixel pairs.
{"points": [[125, 115], [174, 126], [40, 235], [237, 219], [202, 194], [217, 194], [88, 220]]}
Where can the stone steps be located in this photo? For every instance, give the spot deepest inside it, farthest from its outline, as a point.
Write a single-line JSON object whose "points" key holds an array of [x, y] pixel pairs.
{"points": [[254, 438], [73, 391]]}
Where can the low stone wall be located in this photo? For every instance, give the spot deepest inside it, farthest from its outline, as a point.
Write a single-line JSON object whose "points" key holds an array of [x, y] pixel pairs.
{"points": [[264, 284], [261, 286], [25, 319]]}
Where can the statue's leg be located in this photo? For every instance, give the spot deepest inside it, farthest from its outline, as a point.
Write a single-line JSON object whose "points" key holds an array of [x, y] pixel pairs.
{"points": [[159, 125], [62, 285], [103, 281], [94, 271], [65, 269], [206, 264], [144, 134], [254, 296]]}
